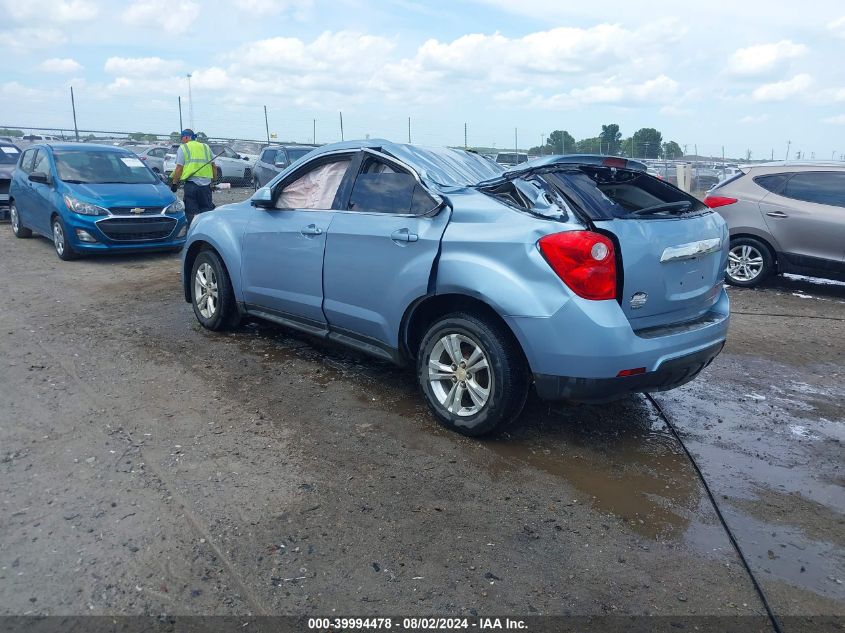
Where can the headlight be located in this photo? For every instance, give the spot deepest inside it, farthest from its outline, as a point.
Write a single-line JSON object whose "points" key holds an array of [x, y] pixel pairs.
{"points": [[84, 208], [176, 207]]}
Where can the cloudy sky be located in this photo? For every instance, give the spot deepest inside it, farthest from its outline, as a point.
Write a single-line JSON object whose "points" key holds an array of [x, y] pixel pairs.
{"points": [[747, 75]]}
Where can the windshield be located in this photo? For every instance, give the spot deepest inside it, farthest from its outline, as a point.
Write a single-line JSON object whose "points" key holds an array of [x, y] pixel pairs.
{"points": [[92, 167], [247, 147], [9, 155]]}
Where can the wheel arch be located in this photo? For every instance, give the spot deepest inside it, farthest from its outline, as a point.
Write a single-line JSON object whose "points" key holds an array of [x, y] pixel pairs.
{"points": [[768, 243], [425, 310], [191, 254]]}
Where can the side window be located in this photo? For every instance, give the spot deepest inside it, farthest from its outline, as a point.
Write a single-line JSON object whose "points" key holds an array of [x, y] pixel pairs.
{"points": [[772, 182], [281, 158], [158, 153], [380, 188], [821, 187], [268, 156], [315, 189], [228, 153], [26, 161], [42, 163]]}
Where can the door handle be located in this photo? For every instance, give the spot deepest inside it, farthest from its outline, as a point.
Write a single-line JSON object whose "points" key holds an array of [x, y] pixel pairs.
{"points": [[404, 235], [776, 214], [311, 230]]}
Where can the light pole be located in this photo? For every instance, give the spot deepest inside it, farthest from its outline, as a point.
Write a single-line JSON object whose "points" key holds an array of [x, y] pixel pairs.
{"points": [[190, 103]]}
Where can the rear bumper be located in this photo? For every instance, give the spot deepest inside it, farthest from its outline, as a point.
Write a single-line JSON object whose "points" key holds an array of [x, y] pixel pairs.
{"points": [[670, 374]]}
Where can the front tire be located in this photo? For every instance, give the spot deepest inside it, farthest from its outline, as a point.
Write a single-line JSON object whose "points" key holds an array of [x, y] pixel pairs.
{"points": [[212, 296], [750, 262], [17, 226], [60, 241], [472, 374]]}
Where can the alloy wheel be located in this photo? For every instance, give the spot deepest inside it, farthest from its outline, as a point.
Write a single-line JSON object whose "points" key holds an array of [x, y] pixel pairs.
{"points": [[59, 237], [205, 290], [459, 375], [745, 263], [13, 217]]}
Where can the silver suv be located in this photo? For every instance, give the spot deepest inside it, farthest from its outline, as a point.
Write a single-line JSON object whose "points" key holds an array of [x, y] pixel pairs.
{"points": [[785, 217]]}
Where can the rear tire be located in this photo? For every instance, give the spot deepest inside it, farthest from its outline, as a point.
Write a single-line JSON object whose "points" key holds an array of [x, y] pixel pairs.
{"points": [[60, 241], [212, 296], [17, 226], [472, 374], [750, 262]]}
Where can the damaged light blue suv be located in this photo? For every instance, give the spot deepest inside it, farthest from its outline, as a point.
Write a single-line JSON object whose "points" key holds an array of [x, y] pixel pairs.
{"points": [[583, 275]]}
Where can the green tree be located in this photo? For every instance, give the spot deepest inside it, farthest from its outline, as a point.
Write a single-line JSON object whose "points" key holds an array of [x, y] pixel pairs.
{"points": [[10, 132], [672, 150], [589, 145], [561, 142], [174, 136], [648, 143], [610, 137]]}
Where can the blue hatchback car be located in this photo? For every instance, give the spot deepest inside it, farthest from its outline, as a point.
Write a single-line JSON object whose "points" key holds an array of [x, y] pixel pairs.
{"points": [[93, 198], [583, 275]]}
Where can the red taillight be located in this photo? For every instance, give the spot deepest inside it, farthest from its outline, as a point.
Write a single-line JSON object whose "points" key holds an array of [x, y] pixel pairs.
{"points": [[584, 260], [631, 372], [718, 201], [615, 162]]}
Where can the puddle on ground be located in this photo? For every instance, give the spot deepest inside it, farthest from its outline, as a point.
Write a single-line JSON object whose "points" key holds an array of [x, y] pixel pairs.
{"points": [[618, 456]]}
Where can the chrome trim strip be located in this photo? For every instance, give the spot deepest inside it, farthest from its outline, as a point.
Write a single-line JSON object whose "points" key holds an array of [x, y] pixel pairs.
{"points": [[691, 250]]}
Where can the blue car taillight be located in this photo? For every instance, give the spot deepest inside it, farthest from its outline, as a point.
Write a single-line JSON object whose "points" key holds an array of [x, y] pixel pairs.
{"points": [[585, 261]]}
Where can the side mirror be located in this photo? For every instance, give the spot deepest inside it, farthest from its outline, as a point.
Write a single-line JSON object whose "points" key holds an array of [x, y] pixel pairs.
{"points": [[245, 157], [263, 198], [280, 165], [40, 176]]}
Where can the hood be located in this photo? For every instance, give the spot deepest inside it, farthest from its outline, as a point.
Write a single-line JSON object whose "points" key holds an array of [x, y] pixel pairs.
{"points": [[123, 195]]}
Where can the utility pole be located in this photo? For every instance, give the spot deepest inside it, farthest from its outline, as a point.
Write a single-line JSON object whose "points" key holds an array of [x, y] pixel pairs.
{"points": [[266, 125], [73, 107], [516, 144], [542, 136], [341, 124], [409, 129], [190, 104], [788, 143], [314, 131], [465, 136], [180, 113]]}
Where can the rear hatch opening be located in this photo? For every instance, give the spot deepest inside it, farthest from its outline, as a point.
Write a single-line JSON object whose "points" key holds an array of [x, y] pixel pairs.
{"points": [[670, 246]]}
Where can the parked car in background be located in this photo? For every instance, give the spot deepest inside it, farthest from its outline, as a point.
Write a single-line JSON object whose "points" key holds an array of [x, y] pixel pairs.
{"points": [[39, 138], [250, 149], [581, 274], [276, 158], [509, 159], [9, 155], [93, 199], [784, 217], [152, 156]]}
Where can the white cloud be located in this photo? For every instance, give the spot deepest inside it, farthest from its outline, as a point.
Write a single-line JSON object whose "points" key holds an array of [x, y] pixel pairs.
{"points": [[782, 90], [60, 65], [837, 27], [50, 10], [613, 91], [754, 118], [272, 7], [764, 58], [836, 120], [140, 66], [173, 16]]}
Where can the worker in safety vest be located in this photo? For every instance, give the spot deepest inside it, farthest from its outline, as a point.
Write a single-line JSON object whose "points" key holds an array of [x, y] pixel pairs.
{"points": [[194, 167]]}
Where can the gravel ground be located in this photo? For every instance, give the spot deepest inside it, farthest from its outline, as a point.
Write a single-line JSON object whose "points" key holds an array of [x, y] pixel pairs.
{"points": [[149, 466]]}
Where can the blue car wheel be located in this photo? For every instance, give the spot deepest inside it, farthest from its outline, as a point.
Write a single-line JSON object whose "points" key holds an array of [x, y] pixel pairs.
{"points": [[472, 373], [212, 296], [61, 242], [17, 226]]}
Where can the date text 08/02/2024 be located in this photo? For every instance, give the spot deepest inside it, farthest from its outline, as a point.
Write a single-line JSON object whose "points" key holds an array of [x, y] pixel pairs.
{"points": [[415, 624]]}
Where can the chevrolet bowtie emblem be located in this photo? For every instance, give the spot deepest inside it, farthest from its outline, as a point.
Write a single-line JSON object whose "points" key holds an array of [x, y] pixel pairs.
{"points": [[136, 210]]}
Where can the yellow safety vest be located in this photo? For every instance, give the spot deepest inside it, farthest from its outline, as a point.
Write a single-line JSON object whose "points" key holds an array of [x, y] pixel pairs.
{"points": [[196, 154]]}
